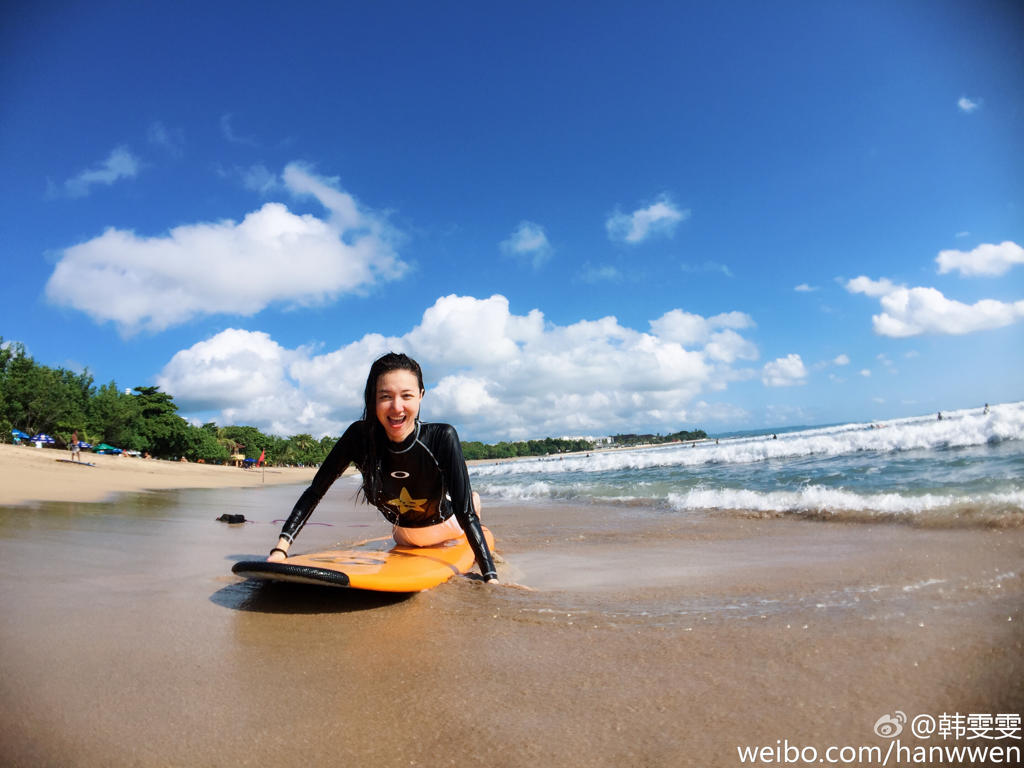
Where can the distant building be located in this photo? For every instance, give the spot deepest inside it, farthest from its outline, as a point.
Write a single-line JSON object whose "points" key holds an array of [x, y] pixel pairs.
{"points": [[589, 439]]}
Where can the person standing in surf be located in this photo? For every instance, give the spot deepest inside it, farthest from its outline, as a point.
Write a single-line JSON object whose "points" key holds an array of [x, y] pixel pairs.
{"points": [[413, 472]]}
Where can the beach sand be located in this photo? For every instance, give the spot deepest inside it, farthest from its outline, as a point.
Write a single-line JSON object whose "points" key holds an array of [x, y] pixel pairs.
{"points": [[649, 639], [28, 473]]}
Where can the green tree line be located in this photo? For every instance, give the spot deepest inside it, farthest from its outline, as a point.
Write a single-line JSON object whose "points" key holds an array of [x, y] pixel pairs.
{"points": [[550, 445], [505, 450], [683, 436], [36, 398]]}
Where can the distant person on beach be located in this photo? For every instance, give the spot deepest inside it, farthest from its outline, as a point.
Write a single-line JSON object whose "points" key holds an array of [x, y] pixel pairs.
{"points": [[76, 449], [940, 416], [413, 471]]}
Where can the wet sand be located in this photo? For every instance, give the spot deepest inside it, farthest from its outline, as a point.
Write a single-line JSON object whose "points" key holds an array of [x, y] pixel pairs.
{"points": [[650, 639], [44, 474]]}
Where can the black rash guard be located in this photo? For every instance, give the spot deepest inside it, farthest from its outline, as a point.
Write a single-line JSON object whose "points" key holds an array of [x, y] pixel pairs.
{"points": [[425, 482]]}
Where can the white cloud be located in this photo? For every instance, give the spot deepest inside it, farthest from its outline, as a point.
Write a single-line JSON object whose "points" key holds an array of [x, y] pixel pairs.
{"points": [[493, 373], [120, 164], [805, 288], [659, 218], [841, 360], [246, 377], [785, 371], [866, 373], [913, 311], [528, 241], [229, 267], [870, 287], [690, 330], [986, 259], [728, 346], [494, 335], [964, 104]]}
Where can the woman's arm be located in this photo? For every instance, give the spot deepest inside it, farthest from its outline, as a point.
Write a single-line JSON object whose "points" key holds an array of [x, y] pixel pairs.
{"points": [[457, 475], [348, 449]]}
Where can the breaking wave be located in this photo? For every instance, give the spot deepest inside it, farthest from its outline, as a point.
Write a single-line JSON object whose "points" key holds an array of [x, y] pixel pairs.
{"points": [[957, 429], [965, 469], [992, 509]]}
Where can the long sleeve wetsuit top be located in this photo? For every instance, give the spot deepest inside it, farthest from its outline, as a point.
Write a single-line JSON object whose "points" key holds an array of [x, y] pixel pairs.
{"points": [[424, 482]]}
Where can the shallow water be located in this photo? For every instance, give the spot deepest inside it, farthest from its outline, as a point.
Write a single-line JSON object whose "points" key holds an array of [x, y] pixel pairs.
{"points": [[127, 641]]}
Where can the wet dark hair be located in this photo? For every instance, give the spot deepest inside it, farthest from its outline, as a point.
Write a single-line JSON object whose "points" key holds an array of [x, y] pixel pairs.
{"points": [[373, 480]]}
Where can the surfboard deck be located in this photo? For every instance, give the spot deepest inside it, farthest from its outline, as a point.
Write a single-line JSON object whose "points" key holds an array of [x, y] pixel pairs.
{"points": [[378, 565], [80, 463]]}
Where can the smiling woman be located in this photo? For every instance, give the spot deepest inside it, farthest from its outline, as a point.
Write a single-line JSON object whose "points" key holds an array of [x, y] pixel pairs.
{"points": [[414, 473]]}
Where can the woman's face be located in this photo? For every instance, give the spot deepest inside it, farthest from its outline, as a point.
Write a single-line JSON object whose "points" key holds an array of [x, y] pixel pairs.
{"points": [[398, 403]]}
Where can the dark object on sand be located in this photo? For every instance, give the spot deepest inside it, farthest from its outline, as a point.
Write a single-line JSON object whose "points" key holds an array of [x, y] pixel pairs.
{"points": [[231, 519]]}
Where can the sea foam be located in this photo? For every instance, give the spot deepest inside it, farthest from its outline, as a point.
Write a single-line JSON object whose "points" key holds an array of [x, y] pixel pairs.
{"points": [[966, 468], [957, 429]]}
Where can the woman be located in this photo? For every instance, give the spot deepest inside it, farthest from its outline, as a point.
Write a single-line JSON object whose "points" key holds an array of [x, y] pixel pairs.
{"points": [[412, 472]]}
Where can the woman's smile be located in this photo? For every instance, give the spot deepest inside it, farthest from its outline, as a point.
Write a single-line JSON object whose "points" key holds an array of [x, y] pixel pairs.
{"points": [[398, 403]]}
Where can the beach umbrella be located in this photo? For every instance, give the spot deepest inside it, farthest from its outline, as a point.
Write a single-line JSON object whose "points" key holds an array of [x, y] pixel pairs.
{"points": [[104, 448], [43, 438], [19, 434]]}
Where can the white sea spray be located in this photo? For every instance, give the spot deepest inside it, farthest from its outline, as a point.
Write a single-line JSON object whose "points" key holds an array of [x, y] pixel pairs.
{"points": [[957, 429], [966, 467]]}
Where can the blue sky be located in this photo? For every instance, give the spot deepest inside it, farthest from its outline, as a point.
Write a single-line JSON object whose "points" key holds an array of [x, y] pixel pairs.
{"points": [[581, 218]]}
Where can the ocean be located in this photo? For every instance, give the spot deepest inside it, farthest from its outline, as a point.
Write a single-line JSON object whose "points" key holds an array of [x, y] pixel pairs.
{"points": [[966, 469]]}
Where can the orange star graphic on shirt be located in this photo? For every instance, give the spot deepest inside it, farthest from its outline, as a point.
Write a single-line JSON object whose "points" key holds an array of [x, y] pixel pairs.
{"points": [[407, 503]]}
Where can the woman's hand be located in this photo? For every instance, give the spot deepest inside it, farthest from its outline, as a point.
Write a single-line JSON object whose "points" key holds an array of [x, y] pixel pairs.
{"points": [[277, 555]]}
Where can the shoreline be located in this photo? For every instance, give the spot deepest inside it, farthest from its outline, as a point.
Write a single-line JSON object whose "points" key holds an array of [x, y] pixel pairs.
{"points": [[652, 640], [30, 475]]}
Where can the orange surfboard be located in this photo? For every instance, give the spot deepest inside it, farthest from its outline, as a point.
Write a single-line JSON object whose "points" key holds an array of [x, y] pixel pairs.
{"points": [[377, 565]]}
